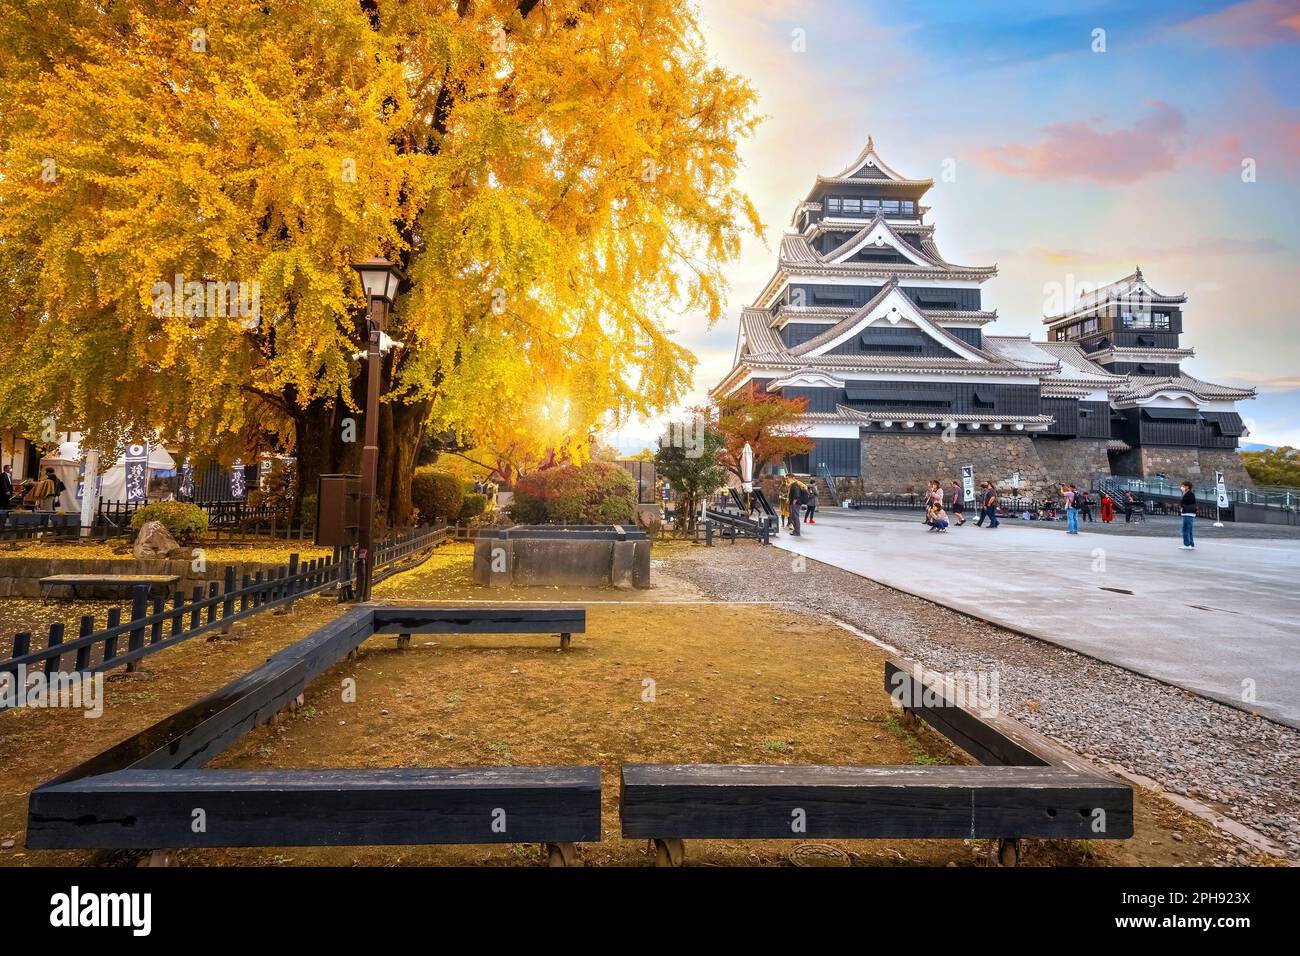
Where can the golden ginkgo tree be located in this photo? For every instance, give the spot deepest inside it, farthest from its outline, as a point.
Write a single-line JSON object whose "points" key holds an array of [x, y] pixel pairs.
{"points": [[183, 187]]}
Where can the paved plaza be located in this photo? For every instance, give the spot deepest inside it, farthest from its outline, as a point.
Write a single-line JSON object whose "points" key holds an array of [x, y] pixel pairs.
{"points": [[1223, 620]]}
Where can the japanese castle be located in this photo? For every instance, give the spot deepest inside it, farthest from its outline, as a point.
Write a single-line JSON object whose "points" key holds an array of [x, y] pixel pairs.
{"points": [[887, 341]]}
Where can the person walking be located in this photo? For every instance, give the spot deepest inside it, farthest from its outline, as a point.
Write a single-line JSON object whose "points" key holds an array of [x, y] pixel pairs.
{"points": [[1084, 501], [785, 505], [6, 487], [1187, 508], [982, 496], [811, 510], [1071, 509], [1107, 508], [1129, 504], [958, 504], [798, 498], [991, 503]]}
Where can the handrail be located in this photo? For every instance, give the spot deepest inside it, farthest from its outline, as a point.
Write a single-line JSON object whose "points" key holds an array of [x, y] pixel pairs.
{"points": [[825, 474]]}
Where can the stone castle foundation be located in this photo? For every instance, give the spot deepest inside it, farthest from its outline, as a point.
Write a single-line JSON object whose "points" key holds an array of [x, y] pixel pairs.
{"points": [[895, 463]]}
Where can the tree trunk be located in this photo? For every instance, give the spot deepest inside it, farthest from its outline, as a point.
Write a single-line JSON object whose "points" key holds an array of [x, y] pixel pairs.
{"points": [[397, 458]]}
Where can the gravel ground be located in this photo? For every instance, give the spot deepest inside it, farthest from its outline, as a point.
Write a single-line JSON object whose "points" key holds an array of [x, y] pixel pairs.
{"points": [[1248, 768]]}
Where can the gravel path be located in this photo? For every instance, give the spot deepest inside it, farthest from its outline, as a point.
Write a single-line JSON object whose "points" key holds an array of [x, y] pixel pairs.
{"points": [[1248, 768]]}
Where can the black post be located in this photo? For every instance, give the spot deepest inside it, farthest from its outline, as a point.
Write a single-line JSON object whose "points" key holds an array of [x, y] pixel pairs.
{"points": [[56, 638]]}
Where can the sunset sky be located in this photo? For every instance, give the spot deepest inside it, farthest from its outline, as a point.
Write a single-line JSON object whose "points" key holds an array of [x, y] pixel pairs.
{"points": [[1072, 166]]}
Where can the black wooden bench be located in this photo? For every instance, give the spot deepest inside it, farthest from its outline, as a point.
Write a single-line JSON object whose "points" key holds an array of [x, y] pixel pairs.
{"points": [[145, 809], [74, 581], [482, 619], [142, 792], [1028, 787]]}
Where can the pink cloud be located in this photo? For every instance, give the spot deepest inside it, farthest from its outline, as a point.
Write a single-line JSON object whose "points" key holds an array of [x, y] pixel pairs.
{"points": [[1079, 150], [1220, 153], [1251, 23]]}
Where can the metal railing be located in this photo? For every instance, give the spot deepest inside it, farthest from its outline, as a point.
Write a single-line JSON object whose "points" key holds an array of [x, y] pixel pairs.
{"points": [[824, 473]]}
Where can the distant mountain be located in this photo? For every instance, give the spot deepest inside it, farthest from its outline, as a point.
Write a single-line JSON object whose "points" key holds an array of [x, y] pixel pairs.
{"points": [[1255, 446]]}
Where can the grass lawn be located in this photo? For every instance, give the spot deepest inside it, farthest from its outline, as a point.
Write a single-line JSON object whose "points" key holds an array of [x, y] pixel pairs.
{"points": [[664, 675]]}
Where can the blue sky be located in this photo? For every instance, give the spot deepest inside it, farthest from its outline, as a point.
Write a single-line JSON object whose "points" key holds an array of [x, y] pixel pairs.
{"points": [[1072, 164]]}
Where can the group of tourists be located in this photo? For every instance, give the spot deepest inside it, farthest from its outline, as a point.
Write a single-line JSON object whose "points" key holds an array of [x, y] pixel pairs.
{"points": [[936, 517], [797, 497], [1078, 506], [489, 488], [36, 494]]}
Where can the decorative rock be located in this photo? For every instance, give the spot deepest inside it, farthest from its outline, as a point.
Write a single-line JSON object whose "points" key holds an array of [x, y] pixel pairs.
{"points": [[153, 541]]}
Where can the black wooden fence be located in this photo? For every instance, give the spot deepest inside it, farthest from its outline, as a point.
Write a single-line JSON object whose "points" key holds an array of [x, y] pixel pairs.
{"points": [[153, 626]]}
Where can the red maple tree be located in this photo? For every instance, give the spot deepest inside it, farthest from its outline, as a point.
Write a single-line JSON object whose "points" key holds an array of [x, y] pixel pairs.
{"points": [[768, 422]]}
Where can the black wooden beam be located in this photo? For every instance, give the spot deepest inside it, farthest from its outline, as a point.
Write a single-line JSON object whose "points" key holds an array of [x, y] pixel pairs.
{"points": [[991, 738], [147, 809], [479, 619], [719, 801]]}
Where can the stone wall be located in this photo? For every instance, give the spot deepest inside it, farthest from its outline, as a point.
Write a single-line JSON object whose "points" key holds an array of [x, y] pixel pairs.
{"points": [[20, 577], [1229, 462], [895, 463], [1075, 460], [1176, 462]]}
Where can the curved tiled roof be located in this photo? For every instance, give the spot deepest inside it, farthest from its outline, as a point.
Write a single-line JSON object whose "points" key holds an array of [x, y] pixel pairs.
{"points": [[1144, 386], [929, 415], [1130, 285]]}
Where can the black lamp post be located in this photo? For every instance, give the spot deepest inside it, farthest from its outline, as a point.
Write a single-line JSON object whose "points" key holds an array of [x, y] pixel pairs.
{"points": [[380, 279]]}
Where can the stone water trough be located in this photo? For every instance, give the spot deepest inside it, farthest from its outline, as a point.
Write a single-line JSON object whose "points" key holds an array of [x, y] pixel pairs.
{"points": [[577, 555]]}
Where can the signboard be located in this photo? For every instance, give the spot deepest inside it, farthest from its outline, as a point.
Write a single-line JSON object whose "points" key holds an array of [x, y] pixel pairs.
{"points": [[1221, 489], [968, 482], [137, 471], [237, 480], [187, 481]]}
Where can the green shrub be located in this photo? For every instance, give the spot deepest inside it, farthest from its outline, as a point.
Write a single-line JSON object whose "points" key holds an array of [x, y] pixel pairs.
{"points": [[308, 514], [475, 504], [595, 493], [436, 494], [184, 521]]}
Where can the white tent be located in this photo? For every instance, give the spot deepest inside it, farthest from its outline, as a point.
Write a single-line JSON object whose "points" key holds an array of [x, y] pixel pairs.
{"points": [[66, 463]]}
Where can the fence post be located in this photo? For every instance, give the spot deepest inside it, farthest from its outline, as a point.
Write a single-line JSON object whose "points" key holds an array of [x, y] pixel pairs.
{"points": [[110, 643], [83, 653], [156, 629], [196, 596], [344, 573], [139, 609], [292, 586], [228, 605], [22, 643], [56, 638]]}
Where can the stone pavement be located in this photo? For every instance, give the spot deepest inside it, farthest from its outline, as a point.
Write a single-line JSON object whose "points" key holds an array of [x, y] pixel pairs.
{"points": [[1223, 620]]}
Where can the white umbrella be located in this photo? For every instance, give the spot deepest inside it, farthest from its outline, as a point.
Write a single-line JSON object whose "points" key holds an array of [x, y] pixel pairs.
{"points": [[747, 469]]}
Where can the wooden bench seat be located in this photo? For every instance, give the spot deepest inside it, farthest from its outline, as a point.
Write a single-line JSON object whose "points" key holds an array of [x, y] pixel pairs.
{"points": [[480, 619], [145, 809], [74, 581]]}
